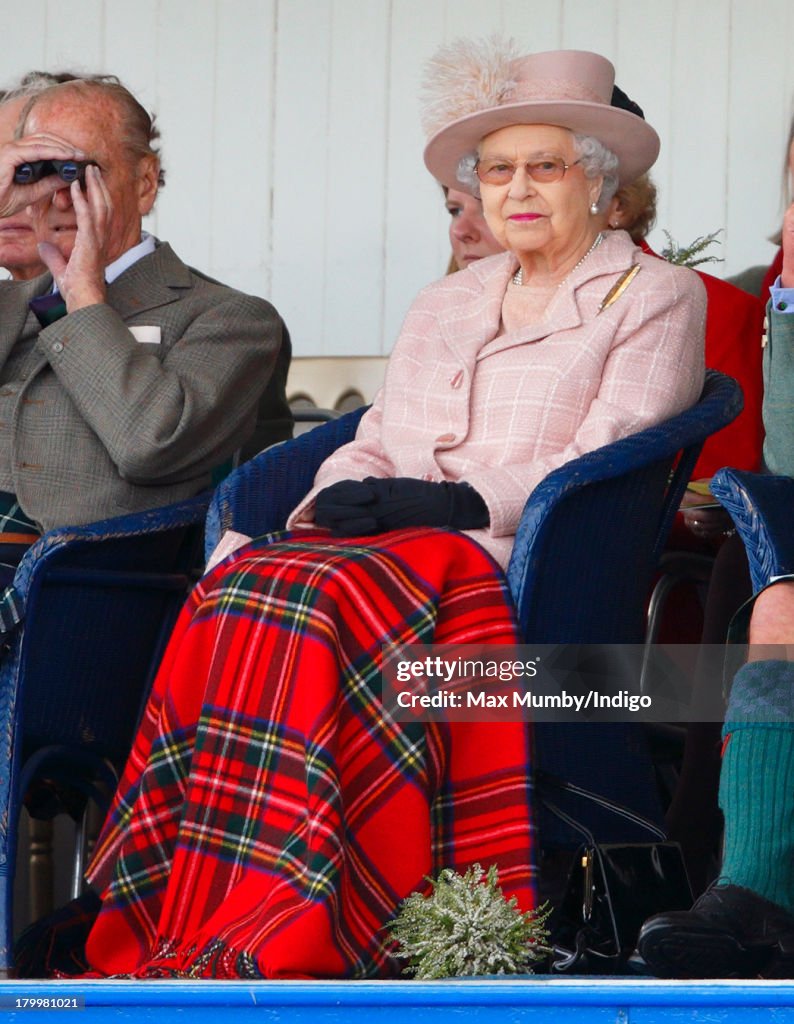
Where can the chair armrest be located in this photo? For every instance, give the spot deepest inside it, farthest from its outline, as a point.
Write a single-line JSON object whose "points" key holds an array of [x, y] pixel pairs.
{"points": [[760, 506], [570, 530], [720, 403], [57, 542], [573, 510], [259, 495]]}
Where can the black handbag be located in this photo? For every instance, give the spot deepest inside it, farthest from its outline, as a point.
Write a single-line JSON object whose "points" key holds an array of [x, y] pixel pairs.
{"points": [[612, 889]]}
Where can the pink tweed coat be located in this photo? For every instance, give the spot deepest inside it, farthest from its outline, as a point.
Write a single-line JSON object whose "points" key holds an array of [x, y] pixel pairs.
{"points": [[460, 403]]}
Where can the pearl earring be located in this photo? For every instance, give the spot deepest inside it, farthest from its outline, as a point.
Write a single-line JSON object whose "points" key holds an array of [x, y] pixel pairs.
{"points": [[594, 207]]}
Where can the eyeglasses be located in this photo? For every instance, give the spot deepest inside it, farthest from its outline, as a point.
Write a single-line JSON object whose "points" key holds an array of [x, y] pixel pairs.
{"points": [[67, 170], [545, 170]]}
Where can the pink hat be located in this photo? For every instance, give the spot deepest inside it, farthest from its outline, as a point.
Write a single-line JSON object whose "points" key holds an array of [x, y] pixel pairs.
{"points": [[472, 89]]}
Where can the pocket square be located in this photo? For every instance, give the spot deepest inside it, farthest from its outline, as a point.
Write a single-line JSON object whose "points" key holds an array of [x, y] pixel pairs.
{"points": [[146, 335]]}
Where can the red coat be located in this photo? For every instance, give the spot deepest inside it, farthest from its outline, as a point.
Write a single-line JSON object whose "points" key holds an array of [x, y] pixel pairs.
{"points": [[734, 325]]}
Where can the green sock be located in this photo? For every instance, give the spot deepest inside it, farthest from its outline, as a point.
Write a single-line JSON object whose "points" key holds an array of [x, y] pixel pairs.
{"points": [[757, 783]]}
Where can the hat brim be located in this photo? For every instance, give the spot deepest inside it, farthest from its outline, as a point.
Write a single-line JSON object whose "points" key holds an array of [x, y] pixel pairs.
{"points": [[632, 140]]}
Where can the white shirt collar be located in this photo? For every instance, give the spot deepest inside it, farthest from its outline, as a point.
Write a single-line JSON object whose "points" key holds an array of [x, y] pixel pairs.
{"points": [[144, 248]]}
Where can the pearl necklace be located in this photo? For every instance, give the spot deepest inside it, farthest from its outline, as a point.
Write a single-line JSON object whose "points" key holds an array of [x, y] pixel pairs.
{"points": [[518, 277]]}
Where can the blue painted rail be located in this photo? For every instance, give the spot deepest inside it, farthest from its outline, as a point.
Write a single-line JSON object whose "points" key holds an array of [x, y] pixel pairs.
{"points": [[530, 1001]]}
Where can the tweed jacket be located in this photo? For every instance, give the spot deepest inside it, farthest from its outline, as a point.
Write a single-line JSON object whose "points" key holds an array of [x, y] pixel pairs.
{"points": [[462, 402], [779, 392], [130, 404]]}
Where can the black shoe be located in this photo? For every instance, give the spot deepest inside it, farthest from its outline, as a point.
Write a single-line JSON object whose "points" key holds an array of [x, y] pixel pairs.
{"points": [[730, 932]]}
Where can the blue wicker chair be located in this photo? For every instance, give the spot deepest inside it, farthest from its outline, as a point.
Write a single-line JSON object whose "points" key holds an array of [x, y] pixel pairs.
{"points": [[760, 506], [586, 549], [95, 606]]}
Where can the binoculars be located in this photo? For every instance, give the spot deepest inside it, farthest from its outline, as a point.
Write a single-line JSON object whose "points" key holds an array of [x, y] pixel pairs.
{"points": [[67, 170]]}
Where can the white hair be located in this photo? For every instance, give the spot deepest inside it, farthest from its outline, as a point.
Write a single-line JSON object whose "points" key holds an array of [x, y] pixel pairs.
{"points": [[595, 158], [467, 175]]}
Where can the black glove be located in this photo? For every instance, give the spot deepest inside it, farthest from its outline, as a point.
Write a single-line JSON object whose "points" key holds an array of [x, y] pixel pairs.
{"points": [[375, 505], [345, 508]]}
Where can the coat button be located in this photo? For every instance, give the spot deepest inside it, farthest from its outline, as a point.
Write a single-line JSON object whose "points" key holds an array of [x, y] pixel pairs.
{"points": [[57, 346], [457, 380], [445, 438]]}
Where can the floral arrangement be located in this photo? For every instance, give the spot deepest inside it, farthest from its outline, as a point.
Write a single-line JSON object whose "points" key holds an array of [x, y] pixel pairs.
{"points": [[467, 927]]}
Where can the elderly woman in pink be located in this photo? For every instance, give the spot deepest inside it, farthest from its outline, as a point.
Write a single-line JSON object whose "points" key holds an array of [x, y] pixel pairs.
{"points": [[569, 340], [273, 814]]}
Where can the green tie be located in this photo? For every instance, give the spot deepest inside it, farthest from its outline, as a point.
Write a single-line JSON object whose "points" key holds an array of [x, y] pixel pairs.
{"points": [[48, 308]]}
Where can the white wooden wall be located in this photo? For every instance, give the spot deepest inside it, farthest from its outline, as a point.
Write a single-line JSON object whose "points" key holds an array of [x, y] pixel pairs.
{"points": [[293, 149]]}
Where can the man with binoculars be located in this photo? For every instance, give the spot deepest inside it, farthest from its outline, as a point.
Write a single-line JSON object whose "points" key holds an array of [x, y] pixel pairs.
{"points": [[126, 377]]}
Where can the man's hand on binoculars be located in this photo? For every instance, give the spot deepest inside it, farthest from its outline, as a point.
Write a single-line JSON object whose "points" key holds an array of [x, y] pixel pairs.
{"points": [[80, 275], [15, 196]]}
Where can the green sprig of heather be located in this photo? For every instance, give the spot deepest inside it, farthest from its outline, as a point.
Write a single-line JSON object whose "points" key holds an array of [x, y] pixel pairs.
{"points": [[466, 926], [690, 255]]}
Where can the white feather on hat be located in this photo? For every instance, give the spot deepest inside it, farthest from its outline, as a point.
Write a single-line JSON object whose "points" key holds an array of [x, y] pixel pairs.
{"points": [[465, 76]]}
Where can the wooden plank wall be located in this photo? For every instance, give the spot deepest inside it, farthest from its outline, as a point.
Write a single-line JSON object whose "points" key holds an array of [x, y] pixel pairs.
{"points": [[292, 143]]}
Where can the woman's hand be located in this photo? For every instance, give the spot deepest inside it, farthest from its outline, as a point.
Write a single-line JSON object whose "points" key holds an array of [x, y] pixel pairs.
{"points": [[706, 521], [345, 508], [354, 507]]}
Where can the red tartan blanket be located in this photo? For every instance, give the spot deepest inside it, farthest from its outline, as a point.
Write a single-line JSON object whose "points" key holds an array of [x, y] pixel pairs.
{"points": [[270, 818]]}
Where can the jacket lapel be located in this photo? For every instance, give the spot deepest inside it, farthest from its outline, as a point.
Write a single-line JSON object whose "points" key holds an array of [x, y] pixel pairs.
{"points": [[14, 299], [467, 325], [156, 280], [470, 329], [153, 281]]}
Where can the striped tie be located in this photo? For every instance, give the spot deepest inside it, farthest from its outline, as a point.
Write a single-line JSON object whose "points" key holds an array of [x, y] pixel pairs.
{"points": [[48, 308]]}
